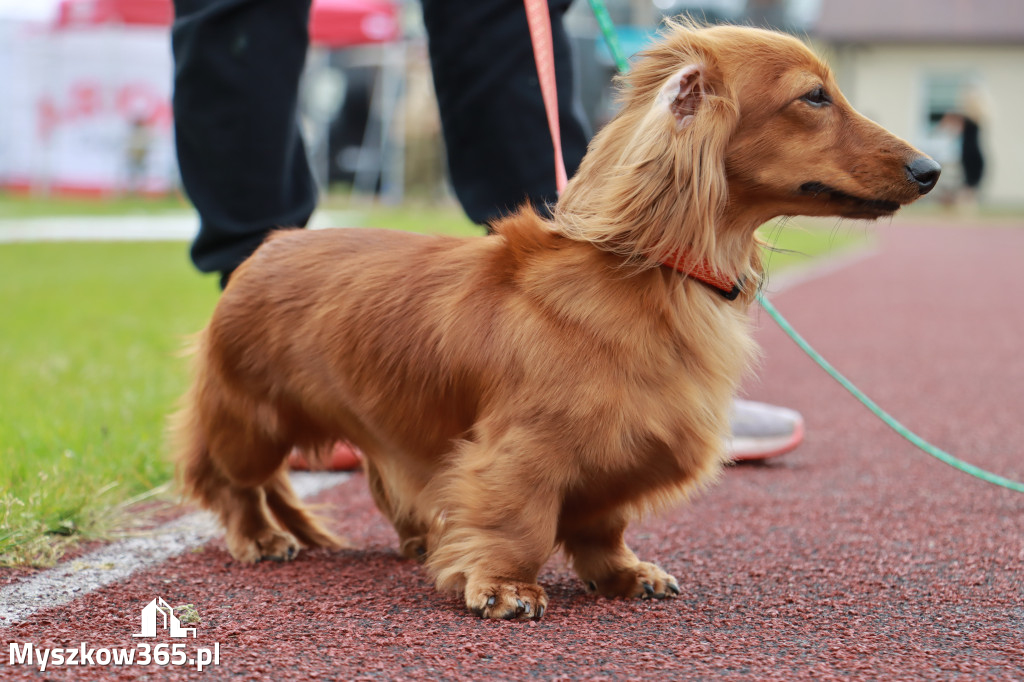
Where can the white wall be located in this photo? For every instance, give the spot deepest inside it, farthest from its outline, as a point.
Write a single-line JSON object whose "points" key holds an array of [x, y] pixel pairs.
{"points": [[887, 84]]}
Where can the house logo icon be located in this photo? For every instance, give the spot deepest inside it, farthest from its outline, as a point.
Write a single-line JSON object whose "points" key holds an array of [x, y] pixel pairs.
{"points": [[170, 621]]}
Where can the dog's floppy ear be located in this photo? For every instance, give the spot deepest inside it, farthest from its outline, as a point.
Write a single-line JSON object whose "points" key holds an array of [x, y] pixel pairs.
{"points": [[686, 131], [653, 182], [683, 94]]}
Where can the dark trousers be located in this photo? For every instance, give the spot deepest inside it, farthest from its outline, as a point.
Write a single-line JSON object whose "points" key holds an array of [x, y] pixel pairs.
{"points": [[492, 114], [243, 165]]}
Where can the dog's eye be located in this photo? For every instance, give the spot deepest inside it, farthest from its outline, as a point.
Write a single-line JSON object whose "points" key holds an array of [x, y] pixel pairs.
{"points": [[817, 97]]}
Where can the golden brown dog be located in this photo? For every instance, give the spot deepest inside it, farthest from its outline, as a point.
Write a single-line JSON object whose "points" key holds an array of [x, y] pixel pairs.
{"points": [[539, 388]]}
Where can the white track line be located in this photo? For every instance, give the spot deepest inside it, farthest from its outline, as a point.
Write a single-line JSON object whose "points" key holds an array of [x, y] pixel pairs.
{"points": [[76, 578], [180, 226], [173, 227]]}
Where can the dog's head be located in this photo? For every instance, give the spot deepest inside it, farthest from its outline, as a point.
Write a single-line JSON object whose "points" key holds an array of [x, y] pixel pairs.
{"points": [[799, 147], [722, 129]]}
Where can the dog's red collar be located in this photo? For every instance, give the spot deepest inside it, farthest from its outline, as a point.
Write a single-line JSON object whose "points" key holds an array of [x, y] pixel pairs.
{"points": [[705, 274]]}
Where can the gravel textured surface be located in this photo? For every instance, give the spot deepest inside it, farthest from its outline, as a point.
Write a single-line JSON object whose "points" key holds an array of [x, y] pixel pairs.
{"points": [[856, 556]]}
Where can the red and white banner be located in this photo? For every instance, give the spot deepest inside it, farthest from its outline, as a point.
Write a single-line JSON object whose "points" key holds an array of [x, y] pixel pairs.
{"points": [[89, 110], [86, 101]]}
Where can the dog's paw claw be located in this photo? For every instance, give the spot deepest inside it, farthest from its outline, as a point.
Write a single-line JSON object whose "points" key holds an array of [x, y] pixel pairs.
{"points": [[272, 545], [643, 581], [507, 601]]}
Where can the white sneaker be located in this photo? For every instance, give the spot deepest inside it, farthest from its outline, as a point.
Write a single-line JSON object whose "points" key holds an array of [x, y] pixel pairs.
{"points": [[760, 431]]}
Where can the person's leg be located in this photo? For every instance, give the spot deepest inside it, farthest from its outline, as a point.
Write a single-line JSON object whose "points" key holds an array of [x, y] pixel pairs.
{"points": [[492, 113], [238, 64], [243, 165]]}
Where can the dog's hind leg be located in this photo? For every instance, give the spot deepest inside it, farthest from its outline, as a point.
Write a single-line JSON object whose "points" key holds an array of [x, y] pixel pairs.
{"points": [[223, 460], [294, 516], [249, 530], [607, 566]]}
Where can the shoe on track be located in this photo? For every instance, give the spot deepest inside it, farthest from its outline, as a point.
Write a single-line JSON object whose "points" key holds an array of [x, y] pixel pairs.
{"points": [[343, 457], [762, 431]]}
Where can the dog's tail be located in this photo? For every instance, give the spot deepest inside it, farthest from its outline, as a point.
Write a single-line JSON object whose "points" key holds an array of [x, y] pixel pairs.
{"points": [[197, 476]]}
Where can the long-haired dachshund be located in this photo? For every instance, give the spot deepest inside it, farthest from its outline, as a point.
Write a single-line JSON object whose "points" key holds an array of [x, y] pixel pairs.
{"points": [[540, 388]]}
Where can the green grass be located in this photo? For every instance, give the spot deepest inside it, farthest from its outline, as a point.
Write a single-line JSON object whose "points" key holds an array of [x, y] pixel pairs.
{"points": [[795, 243], [412, 216], [89, 369], [89, 337]]}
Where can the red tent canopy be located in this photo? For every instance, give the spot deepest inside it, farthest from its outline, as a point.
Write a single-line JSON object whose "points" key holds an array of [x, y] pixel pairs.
{"points": [[337, 23], [333, 23]]}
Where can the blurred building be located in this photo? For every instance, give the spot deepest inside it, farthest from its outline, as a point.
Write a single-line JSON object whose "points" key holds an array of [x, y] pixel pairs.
{"points": [[907, 63]]}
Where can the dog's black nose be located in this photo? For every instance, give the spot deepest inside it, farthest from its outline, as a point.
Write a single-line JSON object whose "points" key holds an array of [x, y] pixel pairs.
{"points": [[925, 172]]}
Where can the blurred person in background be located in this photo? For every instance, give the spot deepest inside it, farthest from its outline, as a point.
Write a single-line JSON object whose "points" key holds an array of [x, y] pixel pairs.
{"points": [[238, 64], [966, 123], [140, 139]]}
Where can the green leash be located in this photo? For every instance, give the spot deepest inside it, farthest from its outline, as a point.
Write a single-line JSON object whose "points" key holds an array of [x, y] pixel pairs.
{"points": [[899, 428], [608, 30], [604, 20]]}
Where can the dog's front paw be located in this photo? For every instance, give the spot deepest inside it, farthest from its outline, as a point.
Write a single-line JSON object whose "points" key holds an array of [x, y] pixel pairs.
{"points": [[272, 544], [643, 581], [507, 600]]}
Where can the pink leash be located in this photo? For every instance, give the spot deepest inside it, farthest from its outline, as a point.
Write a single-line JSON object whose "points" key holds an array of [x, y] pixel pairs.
{"points": [[539, 19]]}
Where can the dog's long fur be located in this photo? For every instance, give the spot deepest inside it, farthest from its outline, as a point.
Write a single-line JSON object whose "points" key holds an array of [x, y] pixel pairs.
{"points": [[539, 388]]}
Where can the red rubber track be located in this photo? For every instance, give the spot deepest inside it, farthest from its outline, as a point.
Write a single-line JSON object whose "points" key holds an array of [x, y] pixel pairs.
{"points": [[856, 556]]}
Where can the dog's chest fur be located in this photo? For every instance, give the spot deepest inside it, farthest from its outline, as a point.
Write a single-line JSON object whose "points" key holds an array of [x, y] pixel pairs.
{"points": [[614, 373]]}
